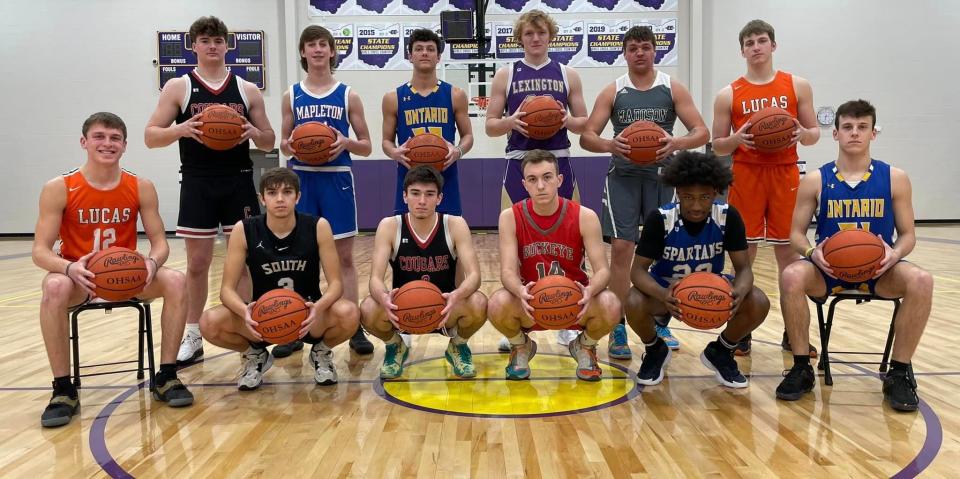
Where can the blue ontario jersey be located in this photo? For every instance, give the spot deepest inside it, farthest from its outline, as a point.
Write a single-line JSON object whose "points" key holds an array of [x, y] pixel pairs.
{"points": [[329, 107], [867, 206], [684, 253]]}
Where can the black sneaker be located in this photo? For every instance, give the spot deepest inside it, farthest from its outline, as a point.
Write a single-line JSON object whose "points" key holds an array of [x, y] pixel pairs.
{"points": [[284, 350], [900, 390], [360, 344], [785, 345], [653, 366], [174, 393], [60, 410], [799, 380], [720, 360], [743, 347]]}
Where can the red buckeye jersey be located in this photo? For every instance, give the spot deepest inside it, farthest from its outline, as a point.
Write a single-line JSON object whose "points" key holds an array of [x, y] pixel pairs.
{"points": [[94, 219], [549, 244]]}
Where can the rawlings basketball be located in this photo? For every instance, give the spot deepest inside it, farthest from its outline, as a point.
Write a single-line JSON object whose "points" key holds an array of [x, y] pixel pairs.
{"points": [[427, 149], [644, 140], [772, 129], [554, 302], [121, 273], [222, 127], [705, 300], [853, 255], [544, 116], [418, 307], [311, 142], [279, 314]]}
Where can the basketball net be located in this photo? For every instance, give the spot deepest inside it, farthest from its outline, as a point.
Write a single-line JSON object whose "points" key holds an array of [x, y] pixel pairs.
{"points": [[480, 102]]}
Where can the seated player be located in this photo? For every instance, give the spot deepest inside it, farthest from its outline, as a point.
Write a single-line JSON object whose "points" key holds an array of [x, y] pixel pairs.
{"points": [[282, 249], [838, 189], [546, 234], [687, 236], [92, 208], [425, 245]]}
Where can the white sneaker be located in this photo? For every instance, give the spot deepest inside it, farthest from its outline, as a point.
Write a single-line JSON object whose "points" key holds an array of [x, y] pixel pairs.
{"points": [[191, 349], [322, 356], [406, 338], [504, 345], [253, 363], [564, 336]]}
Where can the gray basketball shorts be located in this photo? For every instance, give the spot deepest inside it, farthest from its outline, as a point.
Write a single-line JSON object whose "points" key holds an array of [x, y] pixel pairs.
{"points": [[629, 195]]}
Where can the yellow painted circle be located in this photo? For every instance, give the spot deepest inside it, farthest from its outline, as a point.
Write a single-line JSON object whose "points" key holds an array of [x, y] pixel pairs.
{"points": [[553, 388]]}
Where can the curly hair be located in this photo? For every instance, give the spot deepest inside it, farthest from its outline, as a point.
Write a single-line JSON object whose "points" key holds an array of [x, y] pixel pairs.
{"points": [[691, 168]]}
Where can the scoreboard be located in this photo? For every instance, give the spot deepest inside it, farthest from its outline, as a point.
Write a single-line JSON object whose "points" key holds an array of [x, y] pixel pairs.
{"points": [[244, 55]]}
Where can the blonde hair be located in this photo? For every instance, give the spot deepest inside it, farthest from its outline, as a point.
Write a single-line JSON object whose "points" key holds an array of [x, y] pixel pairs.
{"points": [[535, 18]]}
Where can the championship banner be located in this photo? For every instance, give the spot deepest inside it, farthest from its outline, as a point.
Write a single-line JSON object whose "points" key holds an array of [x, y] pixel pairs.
{"points": [[467, 50], [346, 45], [326, 8], [378, 47], [406, 30], [665, 32], [568, 43], [502, 7], [605, 44], [591, 6], [505, 45]]}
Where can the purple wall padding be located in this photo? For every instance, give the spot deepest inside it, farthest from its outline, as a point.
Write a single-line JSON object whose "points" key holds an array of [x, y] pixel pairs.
{"points": [[480, 185]]}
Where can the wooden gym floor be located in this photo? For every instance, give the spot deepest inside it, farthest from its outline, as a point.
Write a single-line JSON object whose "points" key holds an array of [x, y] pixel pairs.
{"points": [[429, 425]]}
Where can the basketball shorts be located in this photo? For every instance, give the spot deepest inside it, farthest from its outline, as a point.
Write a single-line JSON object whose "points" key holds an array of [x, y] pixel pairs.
{"points": [[514, 192], [208, 202], [765, 196], [835, 286], [450, 204], [329, 195], [629, 198]]}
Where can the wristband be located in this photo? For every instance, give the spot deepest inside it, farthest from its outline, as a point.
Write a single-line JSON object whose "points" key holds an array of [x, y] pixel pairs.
{"points": [[156, 265], [66, 271], [809, 252], [460, 150]]}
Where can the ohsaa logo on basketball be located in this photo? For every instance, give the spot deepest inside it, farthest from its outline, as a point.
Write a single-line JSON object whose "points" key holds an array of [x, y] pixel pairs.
{"points": [[133, 279], [275, 306]]}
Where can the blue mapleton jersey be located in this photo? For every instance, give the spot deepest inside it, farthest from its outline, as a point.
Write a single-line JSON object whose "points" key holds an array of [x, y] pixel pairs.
{"points": [[684, 253], [431, 113], [329, 107], [867, 206]]}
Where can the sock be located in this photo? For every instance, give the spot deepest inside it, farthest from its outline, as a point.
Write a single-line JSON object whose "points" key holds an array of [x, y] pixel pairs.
{"points": [[518, 339], [63, 384], [587, 341], [623, 319], [801, 360], [256, 347], [731, 345], [193, 328], [166, 373], [457, 339], [898, 366], [309, 339], [394, 339]]}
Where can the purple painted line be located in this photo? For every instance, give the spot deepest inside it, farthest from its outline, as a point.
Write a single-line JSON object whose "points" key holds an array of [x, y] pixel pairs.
{"points": [[47, 388], [98, 444]]}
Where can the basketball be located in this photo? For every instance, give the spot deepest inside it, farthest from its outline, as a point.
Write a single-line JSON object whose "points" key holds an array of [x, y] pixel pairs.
{"points": [[279, 314], [427, 149], [772, 129], [554, 302], [854, 255], [705, 300], [544, 116], [311, 142], [644, 140], [121, 273], [222, 127], [418, 307]]}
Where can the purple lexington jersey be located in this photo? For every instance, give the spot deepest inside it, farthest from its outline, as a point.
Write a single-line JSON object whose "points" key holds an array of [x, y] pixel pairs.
{"points": [[526, 80]]}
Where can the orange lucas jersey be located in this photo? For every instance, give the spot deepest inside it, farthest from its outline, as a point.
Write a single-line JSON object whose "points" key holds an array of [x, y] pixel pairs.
{"points": [[748, 99], [94, 219]]}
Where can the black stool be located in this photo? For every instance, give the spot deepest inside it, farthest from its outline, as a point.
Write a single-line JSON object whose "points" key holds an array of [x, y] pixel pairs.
{"points": [[827, 325], [145, 334]]}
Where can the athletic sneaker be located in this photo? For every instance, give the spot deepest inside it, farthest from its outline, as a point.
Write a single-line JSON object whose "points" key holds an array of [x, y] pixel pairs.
{"points": [[360, 344], [618, 347], [664, 333], [461, 359], [900, 390], [191, 348], [393, 359], [174, 393], [564, 336], [284, 350], [586, 356], [504, 345], [520, 356], [406, 338], [720, 360], [798, 381], [653, 364], [253, 363], [743, 347], [60, 410], [785, 344], [322, 357]]}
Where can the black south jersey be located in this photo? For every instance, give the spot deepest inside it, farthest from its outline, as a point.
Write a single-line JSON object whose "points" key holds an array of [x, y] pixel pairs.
{"points": [[292, 262], [196, 159], [431, 259]]}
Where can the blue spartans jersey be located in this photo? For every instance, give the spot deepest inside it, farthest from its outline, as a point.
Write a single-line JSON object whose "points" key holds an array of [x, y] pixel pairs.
{"points": [[417, 114], [868, 205], [684, 253], [329, 107]]}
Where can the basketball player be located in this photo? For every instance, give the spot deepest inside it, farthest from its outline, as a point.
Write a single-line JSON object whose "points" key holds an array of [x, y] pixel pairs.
{"points": [[327, 190], [425, 245], [92, 208], [766, 188], [632, 192], [546, 234], [682, 237], [837, 193], [282, 248], [426, 104], [533, 75], [216, 187]]}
